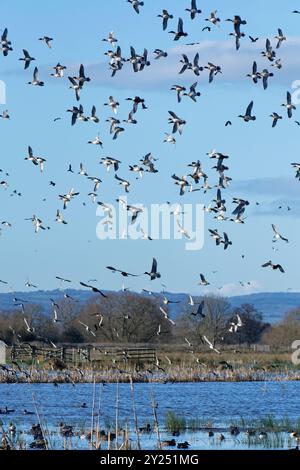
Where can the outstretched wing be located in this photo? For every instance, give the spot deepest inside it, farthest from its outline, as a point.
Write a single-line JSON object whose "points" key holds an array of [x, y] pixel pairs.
{"points": [[154, 266], [249, 109]]}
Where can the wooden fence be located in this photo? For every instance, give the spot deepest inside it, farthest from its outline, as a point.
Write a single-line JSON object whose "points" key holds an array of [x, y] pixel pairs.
{"points": [[84, 354]]}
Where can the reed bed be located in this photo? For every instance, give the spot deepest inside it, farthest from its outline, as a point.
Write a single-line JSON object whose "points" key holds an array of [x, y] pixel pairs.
{"points": [[173, 374]]}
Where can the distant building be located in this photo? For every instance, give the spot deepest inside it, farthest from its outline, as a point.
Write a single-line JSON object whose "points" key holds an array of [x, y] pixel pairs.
{"points": [[3, 349]]}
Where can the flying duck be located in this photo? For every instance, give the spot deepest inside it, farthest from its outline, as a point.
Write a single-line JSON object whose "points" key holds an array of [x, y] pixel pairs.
{"points": [[179, 33], [273, 266], [193, 10], [265, 74], [289, 106], [160, 53], [280, 37], [277, 236], [59, 70], [93, 116], [27, 59], [213, 18], [179, 91], [110, 161], [193, 93], [113, 104], [177, 122], [237, 21], [275, 118], [211, 346], [213, 70], [136, 4], [35, 80], [111, 39], [182, 182], [123, 182], [59, 217], [165, 17], [47, 40], [153, 274], [247, 116], [269, 53], [76, 87], [96, 141], [94, 289]]}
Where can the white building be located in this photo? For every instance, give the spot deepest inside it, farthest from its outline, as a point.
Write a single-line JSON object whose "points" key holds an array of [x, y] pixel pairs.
{"points": [[3, 349]]}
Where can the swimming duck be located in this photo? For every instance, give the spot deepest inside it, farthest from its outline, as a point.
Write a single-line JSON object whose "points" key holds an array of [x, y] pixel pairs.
{"points": [[170, 443], [65, 430], [183, 445], [12, 428], [234, 431]]}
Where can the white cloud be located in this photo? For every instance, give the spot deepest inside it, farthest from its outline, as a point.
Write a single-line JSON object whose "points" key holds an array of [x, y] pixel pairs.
{"points": [[235, 64], [232, 289]]}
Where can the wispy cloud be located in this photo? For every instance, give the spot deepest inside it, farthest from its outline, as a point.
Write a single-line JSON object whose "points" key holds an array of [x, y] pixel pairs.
{"points": [[279, 186], [278, 196], [235, 65], [232, 289]]}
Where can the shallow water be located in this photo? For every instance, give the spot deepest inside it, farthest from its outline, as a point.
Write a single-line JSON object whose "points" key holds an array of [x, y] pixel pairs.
{"points": [[220, 404]]}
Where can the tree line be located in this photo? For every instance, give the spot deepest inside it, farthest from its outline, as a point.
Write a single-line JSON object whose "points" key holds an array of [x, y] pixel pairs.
{"points": [[133, 318]]}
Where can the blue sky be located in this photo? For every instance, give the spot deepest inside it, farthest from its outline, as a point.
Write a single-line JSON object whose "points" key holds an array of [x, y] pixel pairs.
{"points": [[259, 161]]}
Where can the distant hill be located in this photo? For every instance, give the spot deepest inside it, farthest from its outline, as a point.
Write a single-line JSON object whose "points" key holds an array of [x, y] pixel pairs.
{"points": [[272, 304]]}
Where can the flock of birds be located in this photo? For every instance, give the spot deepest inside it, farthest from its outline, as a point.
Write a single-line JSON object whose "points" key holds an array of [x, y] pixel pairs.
{"points": [[195, 179]]}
